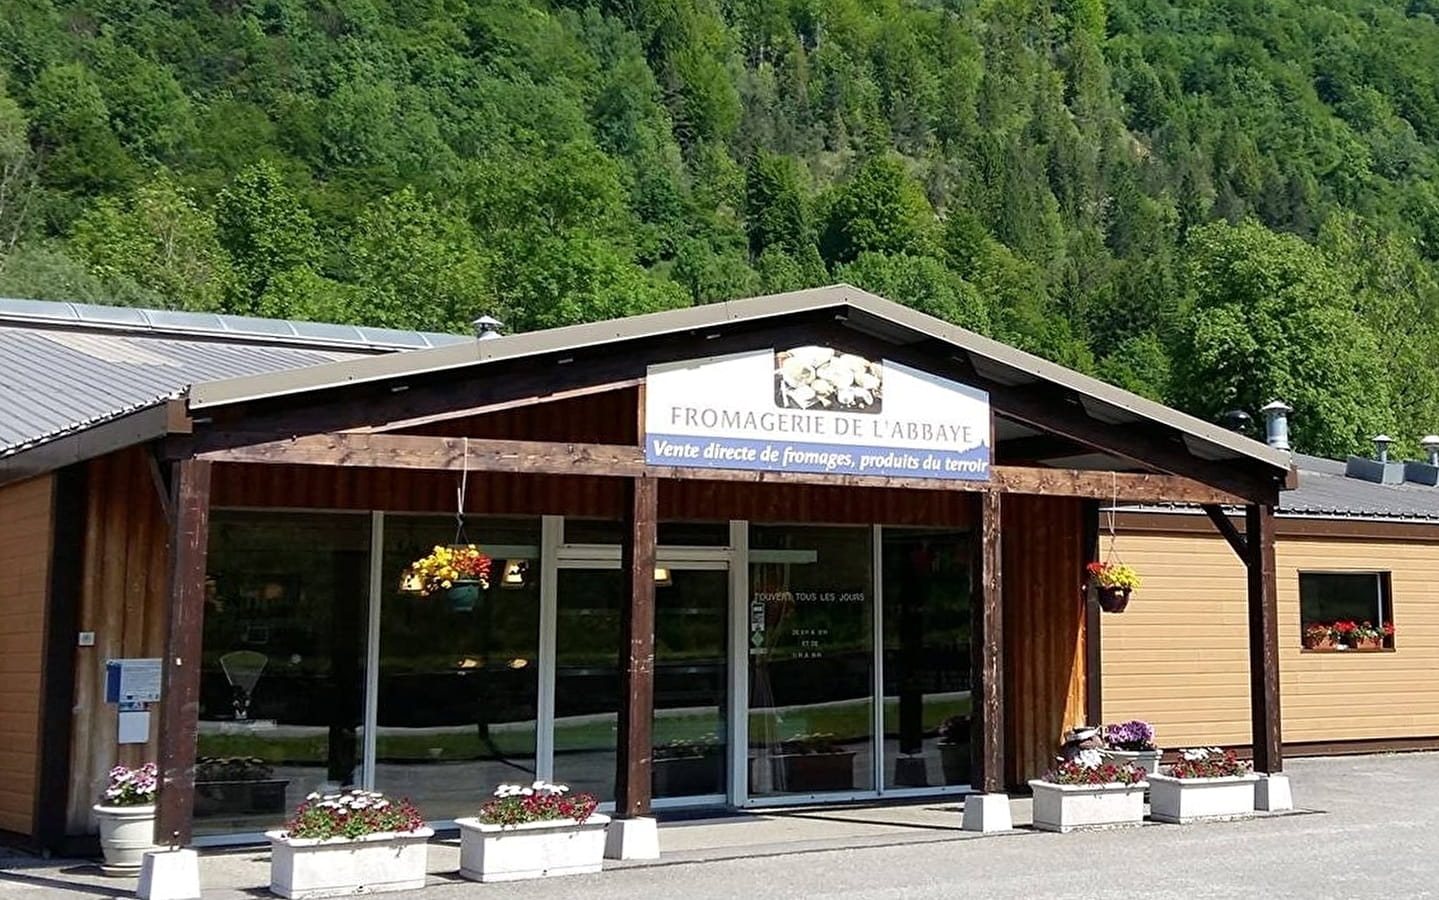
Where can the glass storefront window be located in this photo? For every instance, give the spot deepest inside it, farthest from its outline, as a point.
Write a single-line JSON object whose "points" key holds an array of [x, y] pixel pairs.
{"points": [[458, 673], [282, 664], [811, 648], [926, 658]]}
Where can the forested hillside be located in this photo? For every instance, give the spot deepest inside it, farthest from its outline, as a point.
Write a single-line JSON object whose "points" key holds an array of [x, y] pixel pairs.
{"points": [[1212, 202]]}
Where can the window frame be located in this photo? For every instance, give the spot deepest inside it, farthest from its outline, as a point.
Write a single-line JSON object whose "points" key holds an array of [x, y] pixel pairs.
{"points": [[1384, 601]]}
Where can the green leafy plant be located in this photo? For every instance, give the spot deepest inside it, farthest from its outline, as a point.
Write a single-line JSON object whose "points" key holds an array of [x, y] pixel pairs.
{"points": [[1209, 762], [1089, 768], [352, 814], [541, 801]]}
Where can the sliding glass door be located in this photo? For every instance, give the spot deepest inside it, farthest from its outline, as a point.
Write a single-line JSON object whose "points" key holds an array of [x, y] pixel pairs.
{"points": [[811, 661]]}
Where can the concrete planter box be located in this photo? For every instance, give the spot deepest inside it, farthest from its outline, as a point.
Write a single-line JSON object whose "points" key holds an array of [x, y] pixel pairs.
{"points": [[532, 849], [304, 868], [1066, 807], [1184, 800], [1148, 760], [126, 833]]}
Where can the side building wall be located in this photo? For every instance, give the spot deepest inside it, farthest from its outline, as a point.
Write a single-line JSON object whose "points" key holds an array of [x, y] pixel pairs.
{"points": [[26, 525], [1178, 656]]}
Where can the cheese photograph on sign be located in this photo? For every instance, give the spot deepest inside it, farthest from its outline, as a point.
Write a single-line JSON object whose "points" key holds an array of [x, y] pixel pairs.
{"points": [[815, 409]]}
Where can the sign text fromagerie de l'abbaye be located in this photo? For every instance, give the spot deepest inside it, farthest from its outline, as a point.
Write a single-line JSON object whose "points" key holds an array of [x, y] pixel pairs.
{"points": [[815, 409]]}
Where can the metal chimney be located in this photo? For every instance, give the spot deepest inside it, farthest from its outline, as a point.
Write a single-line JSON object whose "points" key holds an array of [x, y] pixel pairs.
{"points": [[1276, 424], [487, 328], [1430, 443], [1381, 446]]}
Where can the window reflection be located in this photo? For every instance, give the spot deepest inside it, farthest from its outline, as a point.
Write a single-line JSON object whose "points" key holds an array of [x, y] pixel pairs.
{"points": [[458, 677], [282, 664]]}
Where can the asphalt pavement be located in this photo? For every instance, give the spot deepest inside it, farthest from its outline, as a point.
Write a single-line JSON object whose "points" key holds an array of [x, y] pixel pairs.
{"points": [[1366, 828]]}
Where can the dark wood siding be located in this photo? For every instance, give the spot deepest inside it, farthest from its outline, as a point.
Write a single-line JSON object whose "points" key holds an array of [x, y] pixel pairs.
{"points": [[122, 600], [1044, 630]]}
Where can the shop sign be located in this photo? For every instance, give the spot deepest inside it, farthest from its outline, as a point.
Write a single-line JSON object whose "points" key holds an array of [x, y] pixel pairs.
{"points": [[815, 409]]}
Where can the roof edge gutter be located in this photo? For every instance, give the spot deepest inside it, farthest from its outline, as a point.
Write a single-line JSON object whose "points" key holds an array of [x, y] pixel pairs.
{"points": [[148, 423]]}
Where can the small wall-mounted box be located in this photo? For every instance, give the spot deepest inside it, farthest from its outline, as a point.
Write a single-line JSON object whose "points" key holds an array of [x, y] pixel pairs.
{"points": [[86, 639]]}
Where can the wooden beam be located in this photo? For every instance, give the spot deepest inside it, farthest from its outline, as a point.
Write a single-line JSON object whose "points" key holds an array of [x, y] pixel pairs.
{"points": [[1227, 528], [498, 406], [403, 451], [1093, 655], [1263, 640], [1037, 448], [637, 652], [180, 697], [988, 652]]}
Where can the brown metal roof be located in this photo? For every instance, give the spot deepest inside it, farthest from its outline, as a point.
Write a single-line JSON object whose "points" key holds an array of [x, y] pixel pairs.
{"points": [[864, 310]]}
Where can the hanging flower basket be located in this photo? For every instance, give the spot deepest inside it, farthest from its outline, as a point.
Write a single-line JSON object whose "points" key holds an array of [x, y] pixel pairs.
{"points": [[1112, 583], [458, 572]]}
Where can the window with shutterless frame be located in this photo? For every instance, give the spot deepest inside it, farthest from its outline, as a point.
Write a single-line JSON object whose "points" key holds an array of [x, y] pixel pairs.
{"points": [[1346, 610]]}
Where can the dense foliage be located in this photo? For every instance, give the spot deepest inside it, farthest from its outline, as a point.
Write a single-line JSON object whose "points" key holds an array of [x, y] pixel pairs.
{"points": [[1212, 202]]}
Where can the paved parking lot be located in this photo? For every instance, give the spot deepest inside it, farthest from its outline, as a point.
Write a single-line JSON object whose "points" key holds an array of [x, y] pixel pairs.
{"points": [[1367, 830]]}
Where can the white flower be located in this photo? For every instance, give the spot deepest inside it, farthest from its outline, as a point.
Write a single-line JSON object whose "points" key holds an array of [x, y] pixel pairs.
{"points": [[1090, 758], [1195, 754], [527, 792]]}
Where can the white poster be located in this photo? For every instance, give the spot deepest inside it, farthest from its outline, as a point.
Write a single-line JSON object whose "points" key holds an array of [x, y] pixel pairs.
{"points": [[815, 409]]}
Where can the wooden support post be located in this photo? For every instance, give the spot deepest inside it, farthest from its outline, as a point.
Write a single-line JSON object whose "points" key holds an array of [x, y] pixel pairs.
{"points": [[1093, 665], [988, 642], [1263, 639], [180, 697], [637, 652]]}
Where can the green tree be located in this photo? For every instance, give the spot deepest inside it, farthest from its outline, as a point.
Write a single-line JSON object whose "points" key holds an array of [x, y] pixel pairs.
{"points": [[418, 266], [161, 240], [880, 209], [1271, 320], [265, 229]]}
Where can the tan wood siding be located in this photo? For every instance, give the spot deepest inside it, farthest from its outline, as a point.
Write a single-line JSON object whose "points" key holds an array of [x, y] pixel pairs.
{"points": [[122, 600], [1043, 628], [1178, 655], [26, 526]]}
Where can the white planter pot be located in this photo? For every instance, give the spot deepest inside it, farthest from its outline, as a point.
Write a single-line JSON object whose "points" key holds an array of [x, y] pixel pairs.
{"points": [[302, 868], [126, 832], [1185, 800], [1148, 760], [1065, 807], [531, 850]]}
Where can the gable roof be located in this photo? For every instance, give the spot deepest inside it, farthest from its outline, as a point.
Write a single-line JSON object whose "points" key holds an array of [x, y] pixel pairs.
{"points": [[109, 372], [863, 310]]}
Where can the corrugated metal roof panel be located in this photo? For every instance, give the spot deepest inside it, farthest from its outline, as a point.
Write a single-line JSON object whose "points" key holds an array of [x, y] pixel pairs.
{"points": [[213, 325], [53, 381]]}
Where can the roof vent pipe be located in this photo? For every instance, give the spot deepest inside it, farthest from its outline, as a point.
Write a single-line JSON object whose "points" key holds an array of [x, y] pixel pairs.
{"points": [[1381, 446], [1276, 424], [1430, 443], [487, 328]]}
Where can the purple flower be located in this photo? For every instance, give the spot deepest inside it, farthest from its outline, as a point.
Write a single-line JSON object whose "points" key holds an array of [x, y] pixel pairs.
{"points": [[1132, 735]]}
